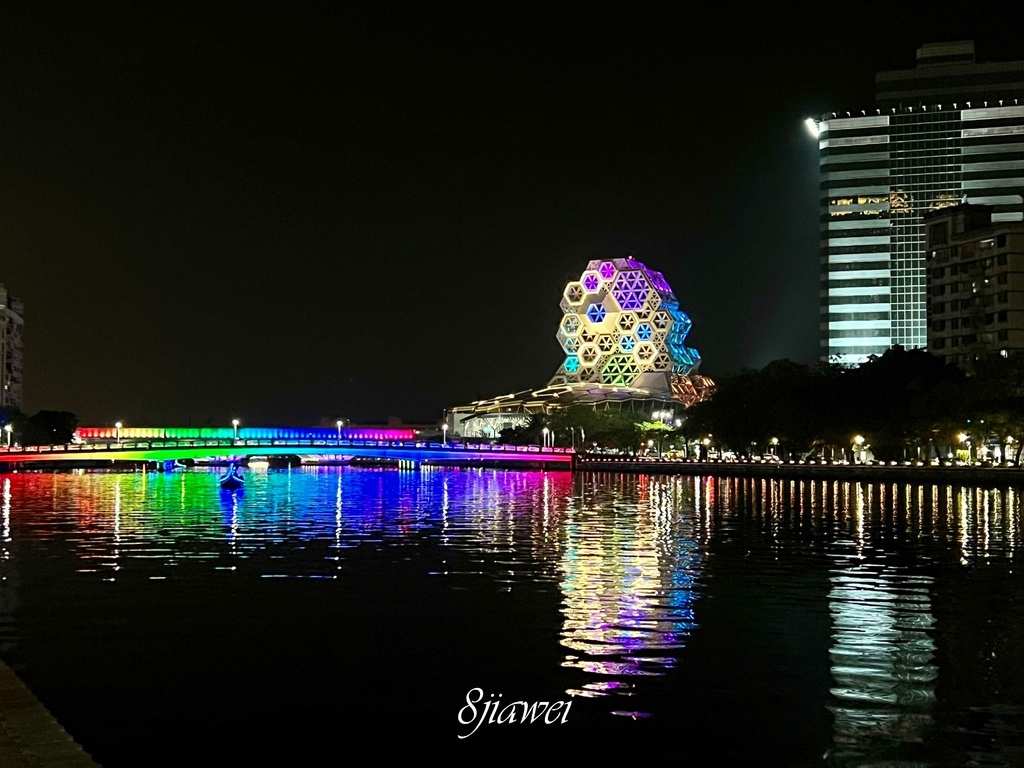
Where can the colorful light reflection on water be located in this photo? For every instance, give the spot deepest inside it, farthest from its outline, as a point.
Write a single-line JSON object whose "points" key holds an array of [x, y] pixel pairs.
{"points": [[795, 623]]}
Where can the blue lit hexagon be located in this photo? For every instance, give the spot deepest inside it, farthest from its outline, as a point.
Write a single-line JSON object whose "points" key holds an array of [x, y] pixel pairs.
{"points": [[572, 364], [626, 343], [596, 313], [644, 332]]}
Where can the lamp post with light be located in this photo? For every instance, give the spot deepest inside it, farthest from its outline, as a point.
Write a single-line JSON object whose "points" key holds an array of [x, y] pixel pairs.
{"points": [[444, 433], [8, 428], [338, 423], [858, 443], [544, 432], [118, 425], [234, 424]]}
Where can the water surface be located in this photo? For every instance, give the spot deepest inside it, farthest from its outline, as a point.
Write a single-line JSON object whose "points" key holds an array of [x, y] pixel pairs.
{"points": [[705, 621]]}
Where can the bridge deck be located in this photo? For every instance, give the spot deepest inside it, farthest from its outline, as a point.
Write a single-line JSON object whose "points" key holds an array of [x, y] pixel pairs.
{"points": [[163, 450]]}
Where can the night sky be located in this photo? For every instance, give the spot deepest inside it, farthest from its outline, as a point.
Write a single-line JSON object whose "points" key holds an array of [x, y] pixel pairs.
{"points": [[372, 210]]}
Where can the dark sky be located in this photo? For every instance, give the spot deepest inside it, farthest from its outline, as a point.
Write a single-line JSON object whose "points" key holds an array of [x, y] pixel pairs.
{"points": [[371, 210]]}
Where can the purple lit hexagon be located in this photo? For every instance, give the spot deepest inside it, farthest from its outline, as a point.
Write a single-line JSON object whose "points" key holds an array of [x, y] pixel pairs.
{"points": [[630, 290], [591, 282], [607, 270]]}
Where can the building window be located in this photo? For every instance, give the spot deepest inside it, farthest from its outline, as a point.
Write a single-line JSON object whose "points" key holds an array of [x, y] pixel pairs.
{"points": [[1002, 278], [939, 325], [1001, 260], [1004, 335], [938, 343]]}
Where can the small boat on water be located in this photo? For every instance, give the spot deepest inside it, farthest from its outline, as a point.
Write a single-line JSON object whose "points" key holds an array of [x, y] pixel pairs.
{"points": [[232, 478]]}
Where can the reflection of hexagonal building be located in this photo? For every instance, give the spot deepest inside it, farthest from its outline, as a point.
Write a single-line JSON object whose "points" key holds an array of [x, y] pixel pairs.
{"points": [[623, 335]]}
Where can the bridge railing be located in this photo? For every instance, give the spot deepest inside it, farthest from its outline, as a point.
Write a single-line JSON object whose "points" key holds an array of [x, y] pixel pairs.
{"points": [[130, 445]]}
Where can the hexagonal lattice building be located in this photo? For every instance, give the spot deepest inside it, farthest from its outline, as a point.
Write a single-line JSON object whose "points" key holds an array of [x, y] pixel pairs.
{"points": [[623, 336], [622, 326]]}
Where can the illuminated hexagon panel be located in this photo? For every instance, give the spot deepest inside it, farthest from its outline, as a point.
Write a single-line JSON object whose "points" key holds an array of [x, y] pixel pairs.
{"points": [[639, 329]]}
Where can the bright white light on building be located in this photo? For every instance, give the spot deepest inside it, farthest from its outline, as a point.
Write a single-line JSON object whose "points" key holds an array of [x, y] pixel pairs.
{"points": [[813, 127]]}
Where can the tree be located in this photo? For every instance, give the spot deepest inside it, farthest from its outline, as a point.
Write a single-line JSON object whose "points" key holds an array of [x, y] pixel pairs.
{"points": [[49, 428]]}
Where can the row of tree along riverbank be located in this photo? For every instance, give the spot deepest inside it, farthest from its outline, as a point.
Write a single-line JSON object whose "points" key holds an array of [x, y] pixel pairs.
{"points": [[902, 405]]}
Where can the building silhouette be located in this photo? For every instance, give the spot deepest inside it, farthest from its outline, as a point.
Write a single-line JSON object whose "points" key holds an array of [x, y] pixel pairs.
{"points": [[12, 330], [975, 284], [948, 131]]}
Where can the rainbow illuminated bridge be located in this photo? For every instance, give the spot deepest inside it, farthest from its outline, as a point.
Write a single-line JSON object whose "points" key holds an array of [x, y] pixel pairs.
{"points": [[145, 444]]}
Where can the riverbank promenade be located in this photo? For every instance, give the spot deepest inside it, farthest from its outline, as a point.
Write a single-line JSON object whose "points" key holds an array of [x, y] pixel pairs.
{"points": [[895, 472]]}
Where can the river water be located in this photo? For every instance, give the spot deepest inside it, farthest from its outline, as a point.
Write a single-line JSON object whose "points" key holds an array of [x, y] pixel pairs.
{"points": [[321, 613]]}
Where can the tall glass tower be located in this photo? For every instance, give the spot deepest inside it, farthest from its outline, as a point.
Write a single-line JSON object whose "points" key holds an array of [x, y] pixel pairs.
{"points": [[946, 131]]}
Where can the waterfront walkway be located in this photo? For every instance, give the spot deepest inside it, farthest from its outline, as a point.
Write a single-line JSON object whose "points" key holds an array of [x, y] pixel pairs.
{"points": [[29, 735], [896, 472]]}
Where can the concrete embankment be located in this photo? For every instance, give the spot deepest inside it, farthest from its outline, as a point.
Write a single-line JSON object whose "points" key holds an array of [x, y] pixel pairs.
{"points": [[29, 735], [983, 476]]}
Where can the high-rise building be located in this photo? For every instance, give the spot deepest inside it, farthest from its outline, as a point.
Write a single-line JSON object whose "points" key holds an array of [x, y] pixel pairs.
{"points": [[947, 131], [12, 328], [975, 285]]}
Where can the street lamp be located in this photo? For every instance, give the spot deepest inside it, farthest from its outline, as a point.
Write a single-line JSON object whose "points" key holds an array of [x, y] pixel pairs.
{"points": [[234, 423], [544, 432], [965, 440], [775, 445], [338, 422], [858, 442], [118, 425], [444, 432], [8, 428]]}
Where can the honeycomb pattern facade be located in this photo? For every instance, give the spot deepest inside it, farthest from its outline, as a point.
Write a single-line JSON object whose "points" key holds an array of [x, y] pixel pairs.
{"points": [[622, 326]]}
